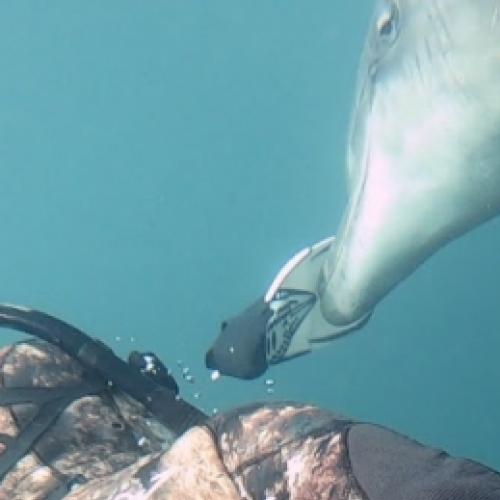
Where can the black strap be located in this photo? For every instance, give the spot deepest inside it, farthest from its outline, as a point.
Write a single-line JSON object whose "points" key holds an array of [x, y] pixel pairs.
{"points": [[175, 413], [103, 368], [51, 403], [41, 395]]}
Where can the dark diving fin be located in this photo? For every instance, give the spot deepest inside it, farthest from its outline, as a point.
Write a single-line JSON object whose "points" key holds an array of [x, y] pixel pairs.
{"points": [[285, 323], [297, 324]]}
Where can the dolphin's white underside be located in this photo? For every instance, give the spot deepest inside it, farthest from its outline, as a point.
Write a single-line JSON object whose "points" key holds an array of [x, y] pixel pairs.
{"points": [[424, 153]]}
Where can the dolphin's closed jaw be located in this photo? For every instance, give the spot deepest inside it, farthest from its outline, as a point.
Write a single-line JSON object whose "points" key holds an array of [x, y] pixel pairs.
{"points": [[424, 153]]}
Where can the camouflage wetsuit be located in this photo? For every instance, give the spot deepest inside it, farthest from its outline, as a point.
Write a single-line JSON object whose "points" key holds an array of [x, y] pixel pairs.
{"points": [[115, 450]]}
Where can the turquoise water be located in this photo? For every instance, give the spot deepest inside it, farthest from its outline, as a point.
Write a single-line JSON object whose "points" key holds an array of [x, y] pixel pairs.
{"points": [[161, 160]]}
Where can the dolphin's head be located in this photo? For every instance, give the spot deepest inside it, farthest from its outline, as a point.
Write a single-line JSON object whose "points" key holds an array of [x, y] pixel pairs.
{"points": [[424, 149]]}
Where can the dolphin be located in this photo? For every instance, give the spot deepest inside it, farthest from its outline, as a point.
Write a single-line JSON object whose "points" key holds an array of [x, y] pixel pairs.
{"points": [[423, 168], [423, 157]]}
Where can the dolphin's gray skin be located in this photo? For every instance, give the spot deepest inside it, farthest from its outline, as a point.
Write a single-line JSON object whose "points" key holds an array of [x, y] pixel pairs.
{"points": [[424, 149]]}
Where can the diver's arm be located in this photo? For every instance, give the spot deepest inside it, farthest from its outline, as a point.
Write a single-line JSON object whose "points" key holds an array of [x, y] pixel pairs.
{"points": [[389, 466], [328, 456], [240, 454]]}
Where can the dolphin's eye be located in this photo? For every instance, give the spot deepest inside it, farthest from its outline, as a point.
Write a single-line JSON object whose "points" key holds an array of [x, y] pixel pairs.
{"points": [[387, 22]]}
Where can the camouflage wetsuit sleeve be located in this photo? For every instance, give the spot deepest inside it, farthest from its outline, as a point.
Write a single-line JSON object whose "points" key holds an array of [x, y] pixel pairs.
{"points": [[289, 451], [300, 452], [95, 436]]}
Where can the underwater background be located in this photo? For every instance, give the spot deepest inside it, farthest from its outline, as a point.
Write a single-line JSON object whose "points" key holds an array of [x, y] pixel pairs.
{"points": [[161, 160]]}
